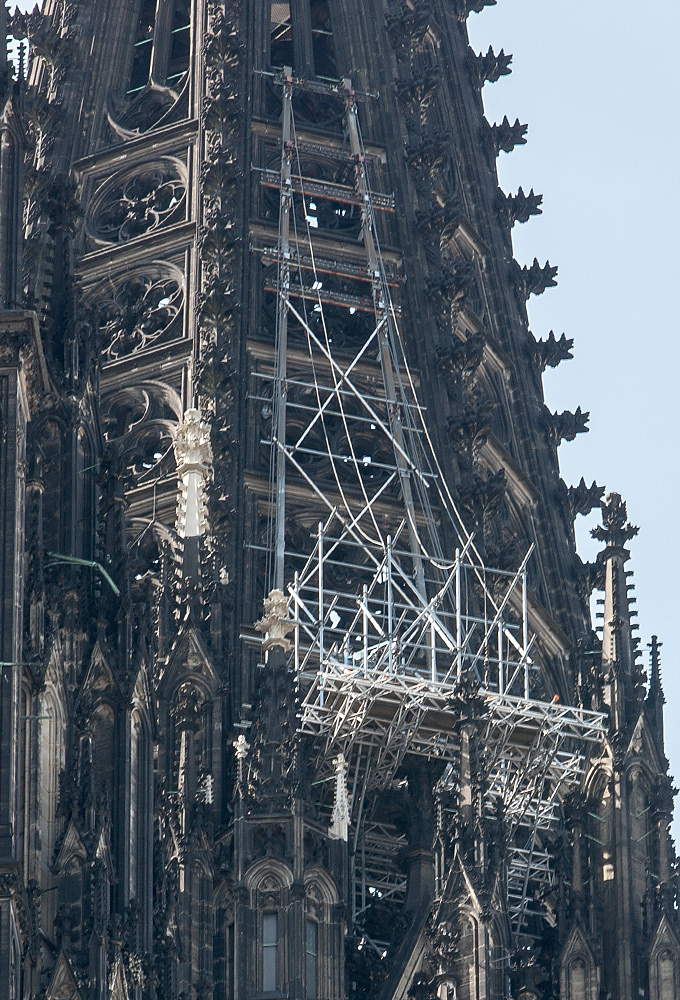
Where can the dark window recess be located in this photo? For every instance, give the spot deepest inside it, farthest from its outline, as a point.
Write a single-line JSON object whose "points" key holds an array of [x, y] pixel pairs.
{"points": [[180, 42], [270, 951], [281, 48], [323, 46], [141, 62], [310, 963], [231, 981]]}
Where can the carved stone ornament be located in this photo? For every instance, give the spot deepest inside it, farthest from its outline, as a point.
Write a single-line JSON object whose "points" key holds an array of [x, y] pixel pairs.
{"points": [[616, 529], [136, 202], [192, 445], [275, 623], [339, 827], [139, 310]]}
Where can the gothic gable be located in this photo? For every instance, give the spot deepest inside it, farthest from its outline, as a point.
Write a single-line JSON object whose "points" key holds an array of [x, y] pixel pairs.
{"points": [[188, 660], [579, 974], [100, 680], [117, 984], [643, 746], [63, 985], [664, 962], [72, 846]]}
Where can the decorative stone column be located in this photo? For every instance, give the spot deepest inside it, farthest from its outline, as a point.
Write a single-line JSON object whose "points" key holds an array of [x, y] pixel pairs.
{"points": [[194, 458]]}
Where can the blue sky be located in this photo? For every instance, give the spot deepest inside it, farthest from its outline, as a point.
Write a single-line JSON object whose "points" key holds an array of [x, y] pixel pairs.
{"points": [[596, 80], [597, 83]]}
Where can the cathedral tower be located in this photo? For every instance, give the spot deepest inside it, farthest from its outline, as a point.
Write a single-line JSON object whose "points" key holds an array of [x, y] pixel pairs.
{"points": [[300, 694]]}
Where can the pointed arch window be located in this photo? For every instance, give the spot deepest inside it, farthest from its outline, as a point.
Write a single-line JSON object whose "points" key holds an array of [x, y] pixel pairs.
{"points": [[323, 46], [311, 958], [180, 42], [301, 36], [281, 35], [162, 46], [143, 47], [667, 976], [270, 952]]}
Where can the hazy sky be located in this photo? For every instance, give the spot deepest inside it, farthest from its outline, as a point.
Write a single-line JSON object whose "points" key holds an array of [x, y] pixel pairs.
{"points": [[597, 83], [596, 80]]}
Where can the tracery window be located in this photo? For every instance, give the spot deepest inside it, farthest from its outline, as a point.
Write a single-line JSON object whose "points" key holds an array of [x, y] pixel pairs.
{"points": [[134, 203], [139, 310], [143, 46], [302, 37], [162, 46]]}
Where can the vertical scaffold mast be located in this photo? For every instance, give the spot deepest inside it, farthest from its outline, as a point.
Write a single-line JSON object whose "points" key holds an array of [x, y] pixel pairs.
{"points": [[387, 627]]}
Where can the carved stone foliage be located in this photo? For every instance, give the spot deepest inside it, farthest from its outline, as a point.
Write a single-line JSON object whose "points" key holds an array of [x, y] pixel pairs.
{"points": [[506, 136], [220, 248], [522, 206], [566, 425], [136, 202], [583, 498], [489, 66], [550, 352], [410, 23], [535, 279]]}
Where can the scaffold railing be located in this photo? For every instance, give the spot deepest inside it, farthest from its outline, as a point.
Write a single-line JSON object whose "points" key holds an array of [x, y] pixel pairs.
{"points": [[393, 611]]}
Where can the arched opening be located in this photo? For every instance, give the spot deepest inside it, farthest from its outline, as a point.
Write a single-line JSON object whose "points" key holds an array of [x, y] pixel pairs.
{"points": [[180, 43], [141, 823], [103, 752], [51, 764], [323, 46], [84, 496], [143, 47], [577, 980], [270, 952], [667, 976]]}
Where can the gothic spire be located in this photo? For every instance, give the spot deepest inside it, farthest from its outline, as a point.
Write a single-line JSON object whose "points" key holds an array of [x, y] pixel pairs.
{"points": [[273, 764], [12, 149], [618, 646], [655, 696]]}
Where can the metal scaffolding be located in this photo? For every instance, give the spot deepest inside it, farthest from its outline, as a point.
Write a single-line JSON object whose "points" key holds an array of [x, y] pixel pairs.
{"points": [[394, 612]]}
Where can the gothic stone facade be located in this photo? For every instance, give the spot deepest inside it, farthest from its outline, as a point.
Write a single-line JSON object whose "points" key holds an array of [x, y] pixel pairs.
{"points": [[160, 828]]}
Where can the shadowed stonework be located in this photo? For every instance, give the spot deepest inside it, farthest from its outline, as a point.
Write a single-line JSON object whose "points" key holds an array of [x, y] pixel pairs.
{"points": [[300, 695]]}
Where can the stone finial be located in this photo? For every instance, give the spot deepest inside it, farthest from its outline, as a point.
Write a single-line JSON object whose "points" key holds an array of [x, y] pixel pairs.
{"points": [[192, 444], [194, 457], [655, 685], [338, 830], [241, 748], [615, 529], [275, 623]]}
